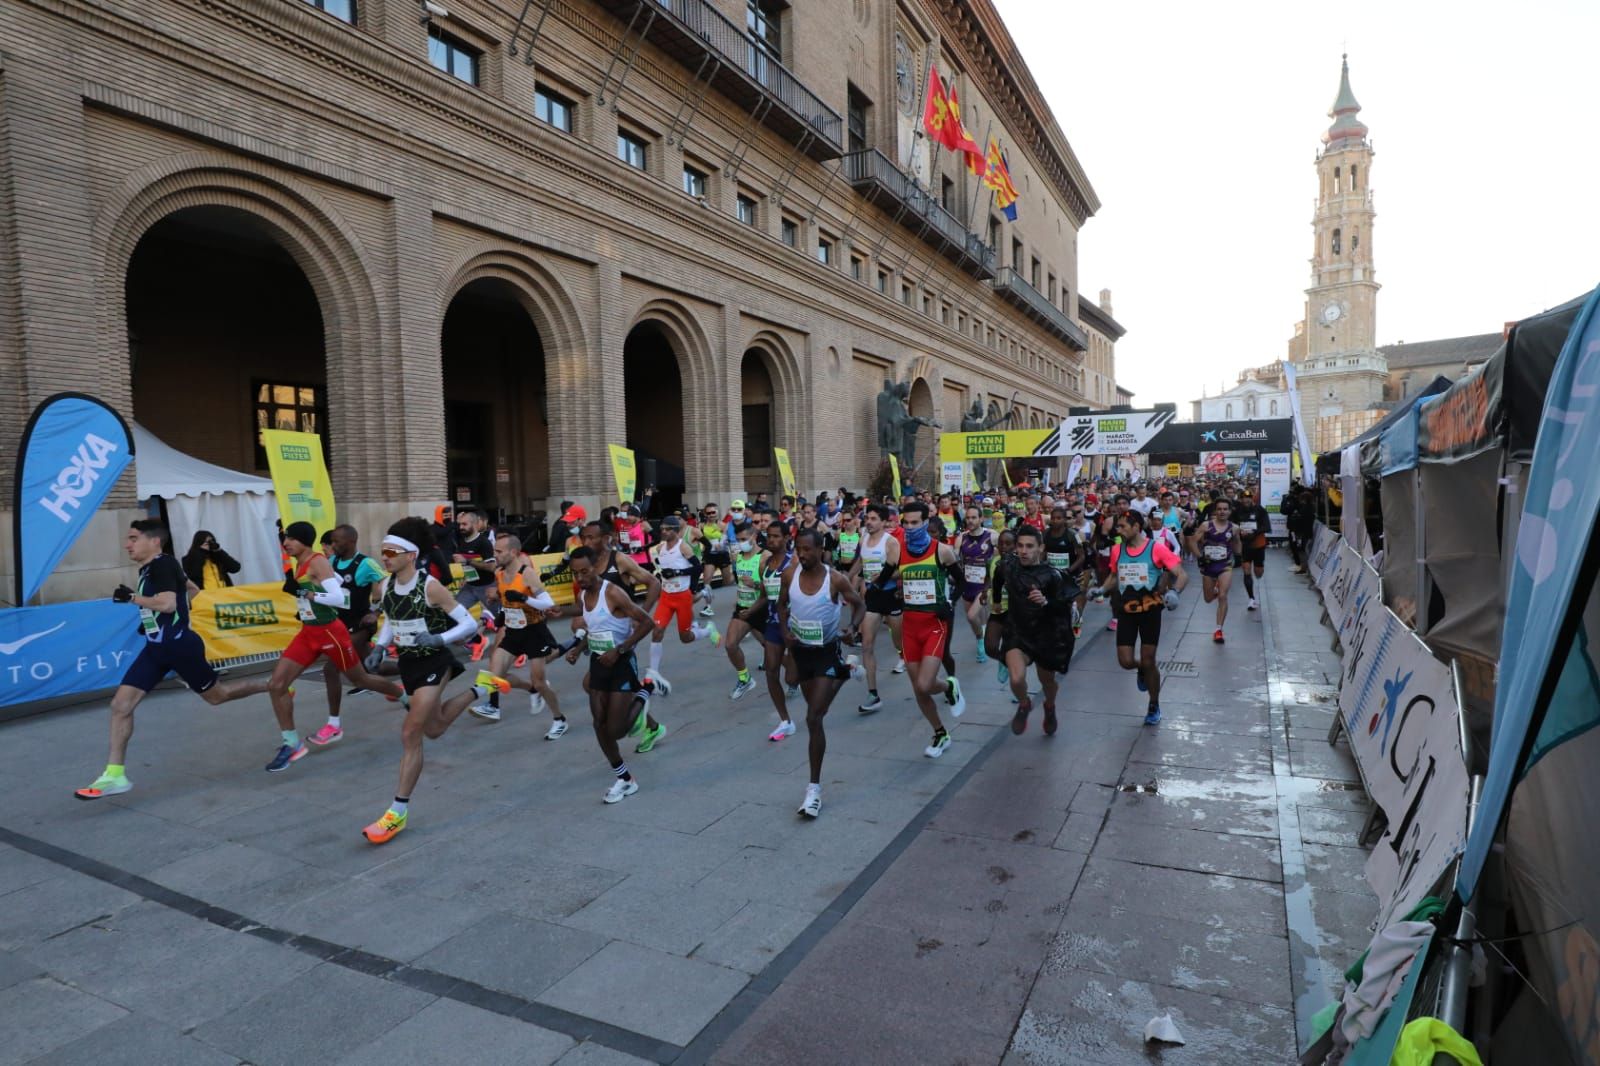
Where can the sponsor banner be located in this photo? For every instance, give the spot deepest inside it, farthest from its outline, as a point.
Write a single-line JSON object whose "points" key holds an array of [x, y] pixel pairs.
{"points": [[624, 472], [1463, 420], [1174, 469], [1214, 462], [1308, 461], [244, 620], [299, 478], [72, 452], [785, 471], [894, 472], [1157, 432], [1074, 468], [952, 476], [1326, 562], [65, 649], [990, 444], [1274, 487]]}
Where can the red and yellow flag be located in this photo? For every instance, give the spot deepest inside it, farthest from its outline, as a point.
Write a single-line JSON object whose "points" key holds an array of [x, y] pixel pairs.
{"points": [[964, 142], [937, 119], [998, 178]]}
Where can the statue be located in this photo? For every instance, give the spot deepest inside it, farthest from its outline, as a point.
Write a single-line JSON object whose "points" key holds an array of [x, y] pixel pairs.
{"points": [[889, 412], [909, 424], [974, 422]]}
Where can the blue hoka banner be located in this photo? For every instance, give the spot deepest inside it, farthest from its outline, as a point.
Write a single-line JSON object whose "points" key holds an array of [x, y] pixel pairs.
{"points": [[65, 648], [72, 453]]}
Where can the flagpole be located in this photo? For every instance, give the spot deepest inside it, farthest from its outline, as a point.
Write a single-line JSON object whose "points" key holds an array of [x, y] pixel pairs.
{"points": [[986, 133]]}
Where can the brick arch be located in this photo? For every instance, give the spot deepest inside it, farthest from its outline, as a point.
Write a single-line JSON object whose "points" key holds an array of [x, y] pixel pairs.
{"points": [[321, 244], [792, 424], [705, 450], [539, 290]]}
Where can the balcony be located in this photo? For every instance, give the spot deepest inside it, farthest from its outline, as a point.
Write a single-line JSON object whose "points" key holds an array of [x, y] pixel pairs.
{"points": [[1010, 284], [693, 32], [873, 175]]}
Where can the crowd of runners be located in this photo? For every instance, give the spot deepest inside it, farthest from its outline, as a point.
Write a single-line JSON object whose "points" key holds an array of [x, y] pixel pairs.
{"points": [[815, 583]]}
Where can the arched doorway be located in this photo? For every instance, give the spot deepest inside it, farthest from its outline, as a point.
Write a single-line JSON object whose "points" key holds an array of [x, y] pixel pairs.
{"points": [[225, 337], [653, 399], [759, 407], [921, 401], [496, 413]]}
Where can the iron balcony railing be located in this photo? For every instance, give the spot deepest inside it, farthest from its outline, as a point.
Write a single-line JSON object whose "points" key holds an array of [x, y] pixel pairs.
{"points": [[1011, 284], [875, 176], [707, 42]]}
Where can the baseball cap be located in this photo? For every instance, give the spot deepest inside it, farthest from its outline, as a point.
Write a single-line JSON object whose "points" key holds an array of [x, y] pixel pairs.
{"points": [[672, 521], [736, 505], [575, 513]]}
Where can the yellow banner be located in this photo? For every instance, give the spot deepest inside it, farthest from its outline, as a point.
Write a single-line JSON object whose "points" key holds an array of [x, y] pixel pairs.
{"points": [[894, 469], [993, 444], [554, 575], [299, 478], [785, 471], [626, 474], [1174, 469], [244, 620]]}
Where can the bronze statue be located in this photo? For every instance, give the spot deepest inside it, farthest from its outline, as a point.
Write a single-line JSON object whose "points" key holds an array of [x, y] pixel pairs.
{"points": [[889, 412], [974, 422], [909, 425]]}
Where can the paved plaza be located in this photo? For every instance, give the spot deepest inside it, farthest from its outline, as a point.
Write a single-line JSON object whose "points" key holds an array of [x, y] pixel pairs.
{"points": [[1021, 900]]}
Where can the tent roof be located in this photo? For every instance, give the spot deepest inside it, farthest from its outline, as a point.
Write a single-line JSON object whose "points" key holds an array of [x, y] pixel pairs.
{"points": [[162, 470]]}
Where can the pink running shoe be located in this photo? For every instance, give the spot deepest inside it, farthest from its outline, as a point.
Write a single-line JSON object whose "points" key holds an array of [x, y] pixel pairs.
{"points": [[326, 735]]}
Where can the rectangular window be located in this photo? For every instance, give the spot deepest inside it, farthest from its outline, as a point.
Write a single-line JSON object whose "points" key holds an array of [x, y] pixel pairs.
{"points": [[790, 231], [905, 295], [343, 10], [1052, 292], [452, 55], [927, 305], [745, 208], [947, 194], [757, 435], [763, 20], [824, 251], [632, 150], [694, 181], [1016, 255], [857, 108], [994, 234], [283, 406], [857, 266], [944, 314], [553, 109], [883, 282], [1034, 274]]}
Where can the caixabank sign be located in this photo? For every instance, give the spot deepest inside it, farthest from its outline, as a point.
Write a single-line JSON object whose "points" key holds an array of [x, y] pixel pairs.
{"points": [[1121, 433]]}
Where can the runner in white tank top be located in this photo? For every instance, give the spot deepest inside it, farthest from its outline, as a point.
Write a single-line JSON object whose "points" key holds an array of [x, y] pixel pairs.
{"points": [[676, 567]]}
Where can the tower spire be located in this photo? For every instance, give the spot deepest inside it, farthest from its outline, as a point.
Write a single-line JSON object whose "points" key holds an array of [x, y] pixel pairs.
{"points": [[1346, 126]]}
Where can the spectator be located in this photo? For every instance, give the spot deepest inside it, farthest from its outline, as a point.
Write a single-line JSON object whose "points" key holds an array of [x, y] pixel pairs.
{"points": [[207, 565]]}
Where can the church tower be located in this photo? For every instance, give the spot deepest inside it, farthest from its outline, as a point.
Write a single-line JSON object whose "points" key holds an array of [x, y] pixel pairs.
{"points": [[1342, 370]]}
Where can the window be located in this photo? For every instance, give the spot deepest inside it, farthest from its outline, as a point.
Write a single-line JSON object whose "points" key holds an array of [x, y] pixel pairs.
{"points": [[1052, 292], [994, 234], [1353, 169], [1337, 184], [791, 233], [1034, 273], [905, 294], [961, 321], [452, 55], [1272, 407], [857, 267], [944, 314], [1016, 254], [1336, 241], [1227, 411], [883, 282], [343, 10], [292, 407], [632, 150], [745, 208], [763, 21], [856, 108], [947, 193], [553, 109], [757, 435], [927, 304], [824, 251], [1355, 240], [694, 181]]}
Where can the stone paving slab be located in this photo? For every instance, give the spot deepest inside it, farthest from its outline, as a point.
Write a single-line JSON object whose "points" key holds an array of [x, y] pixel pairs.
{"points": [[42, 1013], [135, 1038], [622, 984]]}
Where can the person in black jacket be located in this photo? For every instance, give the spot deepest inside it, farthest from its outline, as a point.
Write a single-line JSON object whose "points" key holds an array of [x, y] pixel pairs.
{"points": [[207, 565]]}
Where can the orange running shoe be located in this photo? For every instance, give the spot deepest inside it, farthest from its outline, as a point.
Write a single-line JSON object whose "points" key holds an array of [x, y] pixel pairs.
{"points": [[384, 829]]}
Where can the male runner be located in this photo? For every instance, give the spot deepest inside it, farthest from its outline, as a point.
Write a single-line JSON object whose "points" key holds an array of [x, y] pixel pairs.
{"points": [[615, 626], [475, 552], [716, 562], [1254, 523], [420, 617], [1215, 543], [1038, 627], [1142, 569], [319, 595], [925, 593], [976, 547], [762, 615], [808, 611], [879, 564], [747, 589], [676, 567], [1141, 502], [170, 647], [617, 568], [994, 628], [357, 574], [525, 604], [1064, 552]]}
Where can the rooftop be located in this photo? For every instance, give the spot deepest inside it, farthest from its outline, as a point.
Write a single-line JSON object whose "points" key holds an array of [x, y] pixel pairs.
{"points": [[1452, 351]]}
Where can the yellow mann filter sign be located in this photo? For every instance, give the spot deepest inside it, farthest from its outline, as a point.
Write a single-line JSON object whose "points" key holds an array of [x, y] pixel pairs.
{"points": [[785, 471], [1010, 443], [299, 478], [244, 620], [625, 473]]}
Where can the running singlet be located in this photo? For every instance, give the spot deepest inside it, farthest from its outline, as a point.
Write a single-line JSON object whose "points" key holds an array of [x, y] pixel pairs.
{"points": [[813, 619], [747, 568], [163, 574], [924, 583], [1215, 544], [309, 611], [673, 568], [772, 581], [849, 547], [873, 558], [1138, 573], [606, 630], [410, 615], [516, 615], [713, 533], [357, 574], [999, 591], [976, 552], [1058, 551]]}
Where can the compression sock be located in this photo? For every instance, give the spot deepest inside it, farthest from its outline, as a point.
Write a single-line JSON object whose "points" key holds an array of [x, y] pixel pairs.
{"points": [[656, 648], [291, 737], [115, 770], [744, 675]]}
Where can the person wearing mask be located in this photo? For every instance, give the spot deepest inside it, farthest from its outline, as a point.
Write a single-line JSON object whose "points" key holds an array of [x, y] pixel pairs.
{"points": [[443, 530], [564, 535], [206, 565]]}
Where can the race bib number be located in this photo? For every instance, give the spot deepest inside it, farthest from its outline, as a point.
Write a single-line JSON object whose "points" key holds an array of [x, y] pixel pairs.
{"points": [[1247, 528], [147, 620], [921, 592], [1058, 560], [1216, 552], [303, 609], [516, 618], [774, 585], [406, 631], [600, 643], [745, 596], [976, 573], [1133, 575], [871, 568], [809, 633], [675, 584]]}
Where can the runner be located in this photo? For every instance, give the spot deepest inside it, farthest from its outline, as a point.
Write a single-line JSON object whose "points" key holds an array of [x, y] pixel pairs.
{"points": [[319, 594], [1038, 627], [1145, 575], [357, 575], [762, 615], [717, 563], [846, 550], [615, 626], [619, 569], [976, 546], [879, 564], [1064, 552], [420, 617], [808, 610], [925, 593], [994, 628], [747, 589], [522, 634], [1215, 543], [1253, 522], [170, 647], [676, 568]]}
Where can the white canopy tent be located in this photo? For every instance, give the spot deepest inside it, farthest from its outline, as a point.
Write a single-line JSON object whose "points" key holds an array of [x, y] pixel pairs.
{"points": [[239, 509]]}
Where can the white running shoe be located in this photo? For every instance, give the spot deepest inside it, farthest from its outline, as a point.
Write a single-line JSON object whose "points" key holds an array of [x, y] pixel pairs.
{"points": [[486, 712], [535, 703], [785, 729], [558, 729], [621, 790], [857, 671], [741, 687], [812, 806], [899, 665], [707, 611], [955, 698], [663, 686], [1250, 606], [936, 749]]}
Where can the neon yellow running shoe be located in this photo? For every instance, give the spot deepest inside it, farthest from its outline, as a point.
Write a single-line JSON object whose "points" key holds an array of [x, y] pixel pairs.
{"points": [[385, 828]]}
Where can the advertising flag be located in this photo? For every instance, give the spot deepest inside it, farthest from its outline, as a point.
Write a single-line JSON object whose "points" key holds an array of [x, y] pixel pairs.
{"points": [[299, 478], [624, 471], [998, 178], [1074, 468], [936, 117], [894, 469], [785, 471], [73, 450]]}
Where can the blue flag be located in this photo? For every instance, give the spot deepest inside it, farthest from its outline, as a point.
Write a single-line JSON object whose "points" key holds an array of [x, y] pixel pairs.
{"points": [[73, 450]]}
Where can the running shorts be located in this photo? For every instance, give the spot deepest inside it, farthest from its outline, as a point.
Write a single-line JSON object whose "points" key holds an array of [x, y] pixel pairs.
{"points": [[1057, 658], [1144, 627], [825, 661], [622, 676], [679, 604], [1258, 556], [772, 629], [314, 641], [535, 640], [184, 655], [923, 635], [421, 671], [718, 559], [882, 601]]}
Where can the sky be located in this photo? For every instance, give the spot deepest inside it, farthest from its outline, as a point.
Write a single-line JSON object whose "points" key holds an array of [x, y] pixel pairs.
{"points": [[1198, 126]]}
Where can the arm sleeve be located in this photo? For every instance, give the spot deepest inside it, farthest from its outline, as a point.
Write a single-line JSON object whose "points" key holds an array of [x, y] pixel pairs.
{"points": [[332, 594], [543, 601], [465, 625], [384, 637]]}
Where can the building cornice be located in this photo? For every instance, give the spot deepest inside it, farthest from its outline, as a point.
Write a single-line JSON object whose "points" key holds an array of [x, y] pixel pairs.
{"points": [[1098, 320]]}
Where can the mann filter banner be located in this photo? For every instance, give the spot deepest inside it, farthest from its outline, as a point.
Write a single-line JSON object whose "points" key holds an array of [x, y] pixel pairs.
{"points": [[72, 452], [785, 471], [299, 477], [244, 620], [990, 444], [65, 649], [625, 473]]}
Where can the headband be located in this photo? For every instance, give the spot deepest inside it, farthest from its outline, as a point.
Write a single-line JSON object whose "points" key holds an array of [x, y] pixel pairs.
{"points": [[400, 542]]}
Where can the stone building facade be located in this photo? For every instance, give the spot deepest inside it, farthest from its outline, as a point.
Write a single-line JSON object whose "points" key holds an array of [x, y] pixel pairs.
{"points": [[473, 242]]}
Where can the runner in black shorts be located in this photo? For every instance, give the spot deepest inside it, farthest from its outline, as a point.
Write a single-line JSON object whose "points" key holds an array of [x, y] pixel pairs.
{"points": [[171, 647], [522, 634], [1038, 627], [876, 566], [1254, 523], [1141, 568]]}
